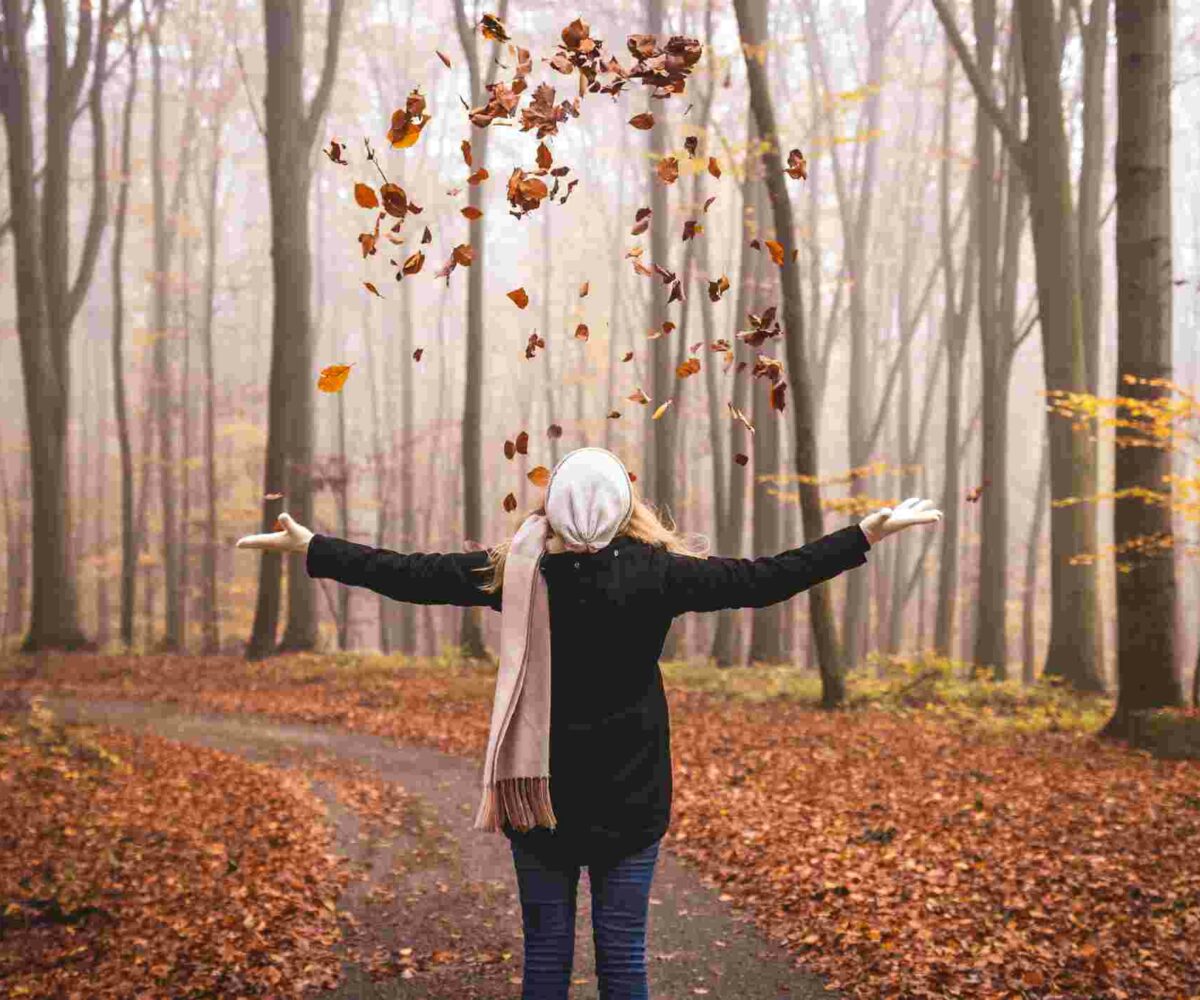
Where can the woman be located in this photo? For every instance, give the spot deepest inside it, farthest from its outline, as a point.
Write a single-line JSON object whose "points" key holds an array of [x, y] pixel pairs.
{"points": [[590, 582]]}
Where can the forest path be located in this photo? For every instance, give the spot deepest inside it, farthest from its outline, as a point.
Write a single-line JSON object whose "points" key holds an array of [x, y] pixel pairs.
{"points": [[436, 885]]}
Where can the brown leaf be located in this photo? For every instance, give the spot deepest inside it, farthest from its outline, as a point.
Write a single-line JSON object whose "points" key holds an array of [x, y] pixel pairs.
{"points": [[797, 167], [668, 169], [690, 228], [554, 431], [334, 152], [471, 212], [523, 443], [643, 121], [718, 288], [510, 450], [333, 378], [544, 158], [365, 196], [581, 332], [688, 367], [427, 236], [520, 297], [510, 503], [371, 288], [534, 343], [443, 57], [615, 415], [583, 290], [539, 475], [463, 254], [676, 293], [466, 151], [417, 353], [638, 396], [713, 167], [741, 459], [395, 201], [492, 27], [739, 415], [526, 192], [777, 396], [479, 176], [414, 263], [709, 201], [628, 356], [776, 250], [691, 143]]}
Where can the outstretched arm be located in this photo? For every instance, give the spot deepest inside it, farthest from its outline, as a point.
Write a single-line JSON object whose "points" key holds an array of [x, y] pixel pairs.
{"points": [[417, 577], [718, 582]]}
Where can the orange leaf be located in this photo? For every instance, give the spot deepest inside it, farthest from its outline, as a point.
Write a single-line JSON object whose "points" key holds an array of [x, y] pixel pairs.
{"points": [[643, 121], [463, 254], [520, 297], [581, 332], [371, 288], [539, 475], [544, 158], [776, 250], [333, 378], [480, 175], [661, 410], [668, 169], [466, 151], [713, 167], [472, 213], [583, 290], [365, 196], [414, 263]]}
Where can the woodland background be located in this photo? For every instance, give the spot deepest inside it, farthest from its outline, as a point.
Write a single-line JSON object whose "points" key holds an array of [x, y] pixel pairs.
{"points": [[151, 176]]}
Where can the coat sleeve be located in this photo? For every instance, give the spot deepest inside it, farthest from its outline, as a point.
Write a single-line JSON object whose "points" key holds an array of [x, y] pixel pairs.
{"points": [[711, 584], [416, 578]]}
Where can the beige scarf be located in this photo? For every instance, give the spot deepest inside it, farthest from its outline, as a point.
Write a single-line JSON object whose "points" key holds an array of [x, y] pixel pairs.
{"points": [[589, 498]]}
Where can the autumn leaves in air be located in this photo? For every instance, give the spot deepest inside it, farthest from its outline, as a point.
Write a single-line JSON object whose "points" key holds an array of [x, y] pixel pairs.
{"points": [[664, 69]]}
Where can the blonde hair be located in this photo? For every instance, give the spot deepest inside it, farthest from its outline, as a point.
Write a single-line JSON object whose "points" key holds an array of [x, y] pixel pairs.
{"points": [[647, 523]]}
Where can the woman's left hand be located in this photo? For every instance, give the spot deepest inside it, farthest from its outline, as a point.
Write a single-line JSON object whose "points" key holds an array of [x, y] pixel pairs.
{"points": [[888, 520]]}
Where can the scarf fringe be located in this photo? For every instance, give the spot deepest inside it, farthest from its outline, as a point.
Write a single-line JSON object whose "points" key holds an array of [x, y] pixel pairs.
{"points": [[522, 802]]}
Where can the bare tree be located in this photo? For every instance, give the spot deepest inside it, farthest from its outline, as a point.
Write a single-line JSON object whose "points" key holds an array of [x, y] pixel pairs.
{"points": [[291, 131], [1146, 669]]}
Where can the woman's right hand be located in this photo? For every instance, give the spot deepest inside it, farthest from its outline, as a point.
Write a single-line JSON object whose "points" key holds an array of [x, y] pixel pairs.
{"points": [[293, 538]]}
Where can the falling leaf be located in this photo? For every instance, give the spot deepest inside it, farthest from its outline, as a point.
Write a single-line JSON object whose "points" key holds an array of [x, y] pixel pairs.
{"points": [[628, 356], [333, 378], [523, 443], [472, 213], [688, 367], [492, 27], [272, 496], [466, 151], [334, 152], [718, 288], [661, 410], [691, 143], [690, 229], [676, 293], [413, 263], [534, 343], [443, 57], [615, 415], [797, 167], [638, 396], [365, 196], [427, 236], [526, 192], [539, 475], [583, 290], [581, 332], [739, 415], [520, 297], [776, 250], [641, 222], [643, 121], [407, 122], [510, 503], [463, 254], [395, 201], [668, 169], [544, 158], [713, 167], [510, 450], [417, 353], [371, 288], [554, 431], [975, 493], [777, 396], [479, 176], [709, 201], [741, 459]]}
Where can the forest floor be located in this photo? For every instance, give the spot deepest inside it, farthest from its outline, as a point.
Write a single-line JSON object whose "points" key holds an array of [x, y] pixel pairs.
{"points": [[896, 853]]}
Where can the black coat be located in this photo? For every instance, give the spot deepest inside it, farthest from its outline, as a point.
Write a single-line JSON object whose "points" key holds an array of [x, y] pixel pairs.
{"points": [[610, 758]]}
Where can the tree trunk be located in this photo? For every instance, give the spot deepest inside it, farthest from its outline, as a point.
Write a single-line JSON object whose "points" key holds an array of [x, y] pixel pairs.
{"points": [[1041, 497], [805, 454], [291, 131], [1146, 669], [1074, 626]]}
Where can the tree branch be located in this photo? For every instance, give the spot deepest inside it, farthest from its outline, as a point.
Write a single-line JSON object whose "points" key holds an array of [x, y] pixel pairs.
{"points": [[1000, 118], [320, 99]]}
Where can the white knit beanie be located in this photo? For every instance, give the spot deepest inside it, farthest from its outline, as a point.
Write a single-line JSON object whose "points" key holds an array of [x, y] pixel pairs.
{"points": [[589, 498]]}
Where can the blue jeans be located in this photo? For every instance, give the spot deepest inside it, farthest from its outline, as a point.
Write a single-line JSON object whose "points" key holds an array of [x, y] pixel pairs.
{"points": [[620, 903]]}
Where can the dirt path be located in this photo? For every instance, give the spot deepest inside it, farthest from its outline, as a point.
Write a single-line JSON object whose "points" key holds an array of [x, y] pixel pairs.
{"points": [[433, 885]]}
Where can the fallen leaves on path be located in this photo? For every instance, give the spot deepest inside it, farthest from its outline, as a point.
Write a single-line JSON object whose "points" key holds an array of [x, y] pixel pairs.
{"points": [[898, 855], [130, 861]]}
